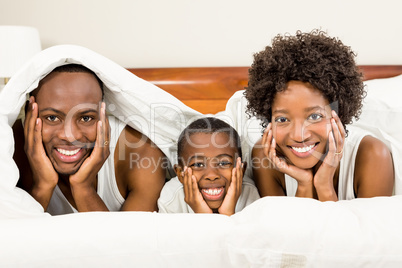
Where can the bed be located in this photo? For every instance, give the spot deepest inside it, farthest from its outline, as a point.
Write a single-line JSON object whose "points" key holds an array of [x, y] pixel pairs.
{"points": [[272, 232]]}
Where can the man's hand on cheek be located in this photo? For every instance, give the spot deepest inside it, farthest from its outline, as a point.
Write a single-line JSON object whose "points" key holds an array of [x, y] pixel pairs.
{"points": [[86, 175], [43, 170], [45, 178]]}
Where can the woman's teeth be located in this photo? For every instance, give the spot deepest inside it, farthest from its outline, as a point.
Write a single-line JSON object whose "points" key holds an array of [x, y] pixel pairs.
{"points": [[303, 149], [212, 191], [68, 152]]}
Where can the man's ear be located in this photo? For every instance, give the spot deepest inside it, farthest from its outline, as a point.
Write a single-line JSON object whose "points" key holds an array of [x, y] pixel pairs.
{"points": [[178, 169]]}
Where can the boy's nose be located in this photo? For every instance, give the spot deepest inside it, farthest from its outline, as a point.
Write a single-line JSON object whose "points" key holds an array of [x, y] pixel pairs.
{"points": [[211, 173]]}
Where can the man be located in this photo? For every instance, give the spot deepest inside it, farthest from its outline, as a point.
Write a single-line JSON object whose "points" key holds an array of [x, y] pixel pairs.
{"points": [[78, 159]]}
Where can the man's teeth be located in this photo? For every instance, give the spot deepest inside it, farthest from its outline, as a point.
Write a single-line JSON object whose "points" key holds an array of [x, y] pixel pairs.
{"points": [[68, 152], [212, 191], [303, 149]]}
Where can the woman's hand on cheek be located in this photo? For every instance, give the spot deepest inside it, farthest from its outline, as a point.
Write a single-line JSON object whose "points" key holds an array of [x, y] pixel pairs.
{"points": [[192, 194], [303, 177], [323, 179], [229, 203]]}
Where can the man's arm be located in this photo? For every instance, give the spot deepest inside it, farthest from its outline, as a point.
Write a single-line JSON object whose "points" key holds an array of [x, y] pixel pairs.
{"points": [[140, 170]]}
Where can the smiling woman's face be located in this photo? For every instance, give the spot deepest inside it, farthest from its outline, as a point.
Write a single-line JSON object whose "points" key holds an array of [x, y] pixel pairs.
{"points": [[301, 124], [68, 106]]}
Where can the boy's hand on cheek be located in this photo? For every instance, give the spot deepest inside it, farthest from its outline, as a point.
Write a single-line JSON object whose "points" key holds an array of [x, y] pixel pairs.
{"points": [[192, 194], [229, 203]]}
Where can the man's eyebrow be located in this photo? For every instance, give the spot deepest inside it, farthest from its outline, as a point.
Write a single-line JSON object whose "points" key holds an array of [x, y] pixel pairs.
{"points": [[51, 110], [88, 111]]}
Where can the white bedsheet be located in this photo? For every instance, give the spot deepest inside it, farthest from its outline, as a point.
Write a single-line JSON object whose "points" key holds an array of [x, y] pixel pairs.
{"points": [[272, 232]]}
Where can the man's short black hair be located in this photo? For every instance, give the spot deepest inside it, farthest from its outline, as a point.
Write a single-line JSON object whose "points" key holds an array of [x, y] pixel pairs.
{"points": [[77, 68]]}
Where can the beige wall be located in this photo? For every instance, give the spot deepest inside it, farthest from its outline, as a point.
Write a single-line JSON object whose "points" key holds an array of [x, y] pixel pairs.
{"points": [[171, 33]]}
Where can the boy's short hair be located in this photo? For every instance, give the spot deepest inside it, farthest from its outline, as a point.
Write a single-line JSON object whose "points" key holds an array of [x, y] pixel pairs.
{"points": [[208, 125]]}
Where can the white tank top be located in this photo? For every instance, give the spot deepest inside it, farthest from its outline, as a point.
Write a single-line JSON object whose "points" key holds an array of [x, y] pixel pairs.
{"points": [[346, 169], [107, 186]]}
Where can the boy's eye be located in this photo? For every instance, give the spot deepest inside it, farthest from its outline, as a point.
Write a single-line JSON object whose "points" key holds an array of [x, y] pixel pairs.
{"points": [[197, 165], [225, 164], [315, 117], [281, 119], [52, 118], [86, 118]]}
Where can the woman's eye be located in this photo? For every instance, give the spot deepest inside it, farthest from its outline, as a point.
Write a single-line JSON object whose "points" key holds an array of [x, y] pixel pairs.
{"points": [[281, 119], [315, 117], [52, 118], [86, 118]]}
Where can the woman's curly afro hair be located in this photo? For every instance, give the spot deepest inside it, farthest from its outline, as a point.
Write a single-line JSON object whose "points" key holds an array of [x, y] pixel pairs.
{"points": [[324, 62]]}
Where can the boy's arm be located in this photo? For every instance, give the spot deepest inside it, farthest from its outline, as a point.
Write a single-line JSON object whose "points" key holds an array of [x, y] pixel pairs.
{"points": [[140, 170]]}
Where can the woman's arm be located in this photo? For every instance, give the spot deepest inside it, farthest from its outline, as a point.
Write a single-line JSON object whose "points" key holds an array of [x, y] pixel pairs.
{"points": [[266, 177], [374, 170]]}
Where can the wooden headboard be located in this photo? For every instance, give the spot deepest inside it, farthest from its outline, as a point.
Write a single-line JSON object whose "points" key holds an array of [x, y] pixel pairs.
{"points": [[207, 89]]}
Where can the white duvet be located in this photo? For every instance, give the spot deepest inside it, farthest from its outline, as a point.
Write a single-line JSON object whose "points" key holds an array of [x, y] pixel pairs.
{"points": [[272, 232]]}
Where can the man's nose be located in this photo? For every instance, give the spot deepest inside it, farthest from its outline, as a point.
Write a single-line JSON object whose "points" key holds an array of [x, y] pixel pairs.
{"points": [[70, 132]]}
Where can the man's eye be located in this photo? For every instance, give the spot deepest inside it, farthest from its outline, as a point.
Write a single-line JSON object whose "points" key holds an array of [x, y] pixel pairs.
{"points": [[86, 118], [281, 119], [52, 118], [315, 117]]}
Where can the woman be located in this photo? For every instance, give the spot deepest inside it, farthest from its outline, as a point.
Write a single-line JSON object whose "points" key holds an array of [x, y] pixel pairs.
{"points": [[306, 88]]}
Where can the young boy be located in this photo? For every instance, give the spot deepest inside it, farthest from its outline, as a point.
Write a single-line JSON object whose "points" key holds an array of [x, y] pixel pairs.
{"points": [[209, 172]]}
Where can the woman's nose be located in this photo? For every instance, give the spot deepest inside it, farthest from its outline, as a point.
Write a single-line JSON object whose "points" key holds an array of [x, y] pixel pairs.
{"points": [[299, 132]]}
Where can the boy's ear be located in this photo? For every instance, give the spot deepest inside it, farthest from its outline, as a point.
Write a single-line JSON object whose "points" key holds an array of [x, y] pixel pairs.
{"points": [[178, 170], [244, 167]]}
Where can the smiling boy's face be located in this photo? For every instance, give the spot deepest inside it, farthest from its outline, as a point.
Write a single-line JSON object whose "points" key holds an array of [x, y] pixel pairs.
{"points": [[211, 156]]}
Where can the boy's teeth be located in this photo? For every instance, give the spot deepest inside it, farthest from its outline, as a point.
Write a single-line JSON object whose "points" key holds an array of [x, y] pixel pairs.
{"points": [[68, 152], [303, 149], [212, 191]]}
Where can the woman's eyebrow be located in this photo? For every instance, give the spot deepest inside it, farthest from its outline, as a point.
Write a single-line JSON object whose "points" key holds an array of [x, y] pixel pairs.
{"points": [[282, 111], [316, 107]]}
